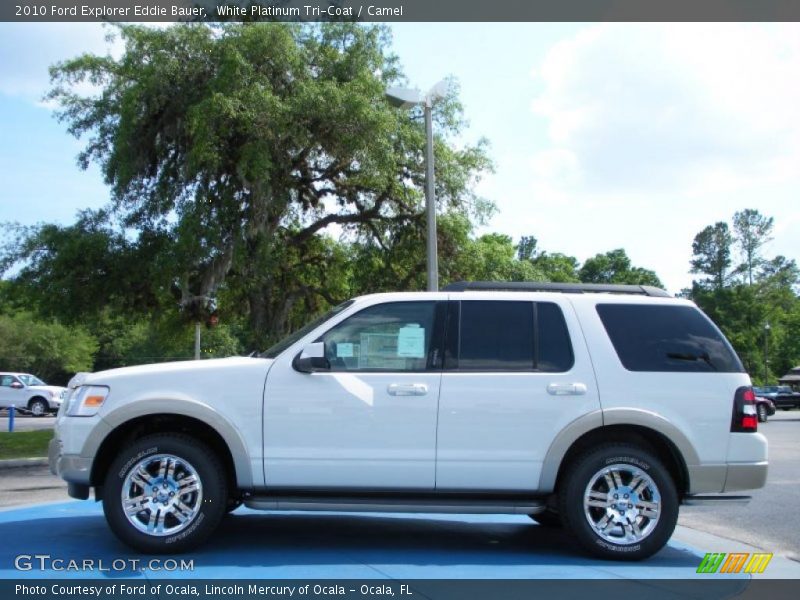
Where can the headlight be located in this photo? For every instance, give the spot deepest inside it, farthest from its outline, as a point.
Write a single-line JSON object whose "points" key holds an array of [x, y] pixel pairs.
{"points": [[86, 400]]}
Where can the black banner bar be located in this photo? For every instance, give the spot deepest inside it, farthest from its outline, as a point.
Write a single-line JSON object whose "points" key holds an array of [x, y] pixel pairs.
{"points": [[397, 10], [715, 587]]}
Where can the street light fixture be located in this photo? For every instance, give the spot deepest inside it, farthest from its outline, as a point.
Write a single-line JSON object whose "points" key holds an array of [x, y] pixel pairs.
{"points": [[408, 98]]}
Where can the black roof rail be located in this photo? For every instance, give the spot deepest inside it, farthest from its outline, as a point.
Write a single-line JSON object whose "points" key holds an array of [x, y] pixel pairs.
{"points": [[543, 286]]}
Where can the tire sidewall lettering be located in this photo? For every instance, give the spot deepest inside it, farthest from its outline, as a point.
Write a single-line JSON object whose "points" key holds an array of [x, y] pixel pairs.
{"points": [[126, 467]]}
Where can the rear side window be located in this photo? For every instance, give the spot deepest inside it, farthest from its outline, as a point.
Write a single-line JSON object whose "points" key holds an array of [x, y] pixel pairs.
{"points": [[496, 336], [554, 350], [667, 338], [509, 336]]}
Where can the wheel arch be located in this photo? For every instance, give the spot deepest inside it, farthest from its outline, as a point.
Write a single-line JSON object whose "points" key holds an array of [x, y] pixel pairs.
{"points": [[133, 421], [665, 441], [36, 397]]}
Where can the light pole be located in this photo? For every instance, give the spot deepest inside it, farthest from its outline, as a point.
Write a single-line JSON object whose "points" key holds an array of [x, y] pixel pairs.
{"points": [[766, 352], [406, 98]]}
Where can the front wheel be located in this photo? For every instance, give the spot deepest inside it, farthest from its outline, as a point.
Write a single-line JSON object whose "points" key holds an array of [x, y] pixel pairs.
{"points": [[762, 413], [620, 502], [38, 407], [165, 493]]}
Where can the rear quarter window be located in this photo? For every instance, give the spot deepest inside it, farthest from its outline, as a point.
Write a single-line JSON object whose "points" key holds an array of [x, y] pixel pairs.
{"points": [[667, 338]]}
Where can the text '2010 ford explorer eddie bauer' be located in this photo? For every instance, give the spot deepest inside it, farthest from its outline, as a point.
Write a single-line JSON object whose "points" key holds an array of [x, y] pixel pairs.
{"points": [[598, 408]]}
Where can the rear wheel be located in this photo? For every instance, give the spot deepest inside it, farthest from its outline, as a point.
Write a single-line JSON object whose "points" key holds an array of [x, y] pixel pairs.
{"points": [[165, 493], [38, 407], [620, 502], [762, 413]]}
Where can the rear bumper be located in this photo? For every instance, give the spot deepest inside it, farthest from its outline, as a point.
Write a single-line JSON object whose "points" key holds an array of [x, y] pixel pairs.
{"points": [[746, 476]]}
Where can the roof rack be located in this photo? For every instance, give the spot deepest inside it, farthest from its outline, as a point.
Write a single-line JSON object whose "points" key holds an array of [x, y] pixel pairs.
{"points": [[569, 288]]}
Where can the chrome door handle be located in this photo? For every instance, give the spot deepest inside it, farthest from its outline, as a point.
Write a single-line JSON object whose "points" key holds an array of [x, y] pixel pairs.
{"points": [[567, 389], [407, 389]]}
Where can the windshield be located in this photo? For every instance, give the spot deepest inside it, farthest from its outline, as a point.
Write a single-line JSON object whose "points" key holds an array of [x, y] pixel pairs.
{"points": [[290, 339], [31, 380]]}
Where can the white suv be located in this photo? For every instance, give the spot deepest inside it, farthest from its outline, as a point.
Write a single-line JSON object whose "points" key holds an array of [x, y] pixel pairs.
{"points": [[599, 408], [28, 392]]}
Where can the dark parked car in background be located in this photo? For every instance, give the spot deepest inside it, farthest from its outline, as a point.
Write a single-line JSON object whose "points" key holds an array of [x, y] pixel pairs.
{"points": [[782, 395], [765, 408]]}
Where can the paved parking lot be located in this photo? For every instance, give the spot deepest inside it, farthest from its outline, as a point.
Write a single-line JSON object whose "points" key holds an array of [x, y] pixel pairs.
{"points": [[26, 422], [339, 546]]}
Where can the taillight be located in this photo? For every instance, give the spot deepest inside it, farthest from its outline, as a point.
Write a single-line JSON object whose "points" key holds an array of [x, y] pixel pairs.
{"points": [[745, 416]]}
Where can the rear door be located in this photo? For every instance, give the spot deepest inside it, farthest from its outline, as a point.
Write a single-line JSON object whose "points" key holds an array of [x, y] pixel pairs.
{"points": [[516, 373]]}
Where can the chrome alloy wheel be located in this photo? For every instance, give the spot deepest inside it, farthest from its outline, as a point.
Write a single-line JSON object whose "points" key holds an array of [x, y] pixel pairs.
{"points": [[161, 495], [622, 504]]}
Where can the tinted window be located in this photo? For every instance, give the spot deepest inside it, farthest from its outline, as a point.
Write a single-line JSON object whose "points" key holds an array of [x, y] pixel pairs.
{"points": [[554, 350], [496, 336], [385, 337], [667, 338]]}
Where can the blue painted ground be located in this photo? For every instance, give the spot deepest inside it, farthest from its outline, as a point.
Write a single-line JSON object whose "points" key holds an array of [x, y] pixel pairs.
{"points": [[261, 545]]}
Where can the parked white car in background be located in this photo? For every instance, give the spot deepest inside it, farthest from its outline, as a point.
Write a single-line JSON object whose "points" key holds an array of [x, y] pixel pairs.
{"points": [[27, 391]]}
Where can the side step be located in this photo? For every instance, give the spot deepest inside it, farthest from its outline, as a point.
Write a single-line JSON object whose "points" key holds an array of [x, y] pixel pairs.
{"points": [[408, 505], [712, 500]]}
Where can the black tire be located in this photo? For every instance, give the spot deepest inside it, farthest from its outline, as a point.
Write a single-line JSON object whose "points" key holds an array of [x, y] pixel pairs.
{"points": [[233, 504], [762, 413], [548, 518], [209, 503], [38, 407], [586, 469]]}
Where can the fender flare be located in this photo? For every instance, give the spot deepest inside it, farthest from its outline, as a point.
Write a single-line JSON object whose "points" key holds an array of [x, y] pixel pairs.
{"points": [[614, 416], [180, 406]]}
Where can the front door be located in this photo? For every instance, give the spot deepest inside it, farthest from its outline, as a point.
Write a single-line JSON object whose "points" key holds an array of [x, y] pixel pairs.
{"points": [[9, 395], [370, 421]]}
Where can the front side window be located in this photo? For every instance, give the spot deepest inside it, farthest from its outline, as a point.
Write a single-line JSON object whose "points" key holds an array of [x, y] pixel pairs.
{"points": [[386, 337], [7, 380], [290, 339], [31, 380]]}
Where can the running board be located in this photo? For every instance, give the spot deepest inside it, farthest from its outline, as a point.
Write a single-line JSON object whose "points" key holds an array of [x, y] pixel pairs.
{"points": [[712, 500], [410, 505]]}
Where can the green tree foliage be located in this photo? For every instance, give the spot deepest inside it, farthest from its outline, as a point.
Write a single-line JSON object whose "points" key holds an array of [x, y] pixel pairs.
{"points": [[47, 349], [615, 267], [760, 314], [752, 231], [711, 254], [229, 148]]}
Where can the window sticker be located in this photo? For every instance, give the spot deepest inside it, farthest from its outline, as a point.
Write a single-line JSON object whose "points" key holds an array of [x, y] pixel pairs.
{"points": [[344, 350], [411, 341]]}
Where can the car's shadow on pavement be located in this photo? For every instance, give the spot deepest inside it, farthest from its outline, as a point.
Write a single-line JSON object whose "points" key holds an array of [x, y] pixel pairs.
{"points": [[250, 543]]}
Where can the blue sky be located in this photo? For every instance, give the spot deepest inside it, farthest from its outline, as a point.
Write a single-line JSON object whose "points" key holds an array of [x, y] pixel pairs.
{"points": [[603, 135]]}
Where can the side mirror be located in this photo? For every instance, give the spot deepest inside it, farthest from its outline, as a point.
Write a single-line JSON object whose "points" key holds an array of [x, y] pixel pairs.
{"points": [[17, 386], [312, 359]]}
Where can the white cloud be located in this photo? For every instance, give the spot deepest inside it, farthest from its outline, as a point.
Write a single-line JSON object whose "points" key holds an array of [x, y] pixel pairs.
{"points": [[654, 131], [681, 106]]}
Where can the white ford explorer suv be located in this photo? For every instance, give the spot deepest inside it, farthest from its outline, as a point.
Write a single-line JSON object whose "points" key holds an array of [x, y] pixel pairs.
{"points": [[599, 408]]}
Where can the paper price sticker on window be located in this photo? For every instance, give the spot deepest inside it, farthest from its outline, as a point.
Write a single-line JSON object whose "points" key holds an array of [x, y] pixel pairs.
{"points": [[344, 350], [411, 341]]}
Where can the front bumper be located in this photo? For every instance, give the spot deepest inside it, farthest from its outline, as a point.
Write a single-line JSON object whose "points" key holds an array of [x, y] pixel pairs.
{"points": [[75, 470], [71, 468]]}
